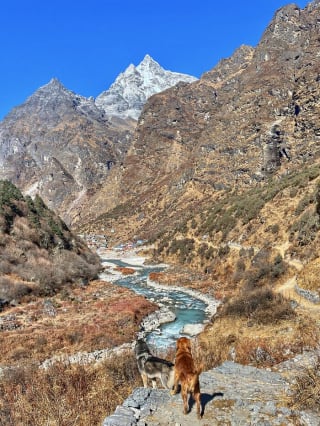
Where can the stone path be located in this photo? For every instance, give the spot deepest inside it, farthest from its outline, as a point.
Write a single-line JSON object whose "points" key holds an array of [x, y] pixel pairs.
{"points": [[232, 395]]}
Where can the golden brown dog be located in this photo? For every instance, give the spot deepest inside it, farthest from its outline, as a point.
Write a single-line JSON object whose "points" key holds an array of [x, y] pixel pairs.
{"points": [[186, 373]]}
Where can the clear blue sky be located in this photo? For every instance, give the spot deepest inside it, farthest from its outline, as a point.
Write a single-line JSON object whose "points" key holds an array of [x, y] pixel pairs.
{"points": [[86, 44]]}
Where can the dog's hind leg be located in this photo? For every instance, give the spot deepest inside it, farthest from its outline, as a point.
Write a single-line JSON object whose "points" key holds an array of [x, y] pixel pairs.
{"points": [[197, 398], [144, 379], [154, 383], [170, 380], [175, 384], [164, 380], [184, 394]]}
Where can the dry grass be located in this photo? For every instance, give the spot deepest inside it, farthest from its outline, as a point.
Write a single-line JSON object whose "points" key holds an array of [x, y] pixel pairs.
{"points": [[97, 316], [66, 395], [260, 306], [308, 278], [231, 338], [306, 389]]}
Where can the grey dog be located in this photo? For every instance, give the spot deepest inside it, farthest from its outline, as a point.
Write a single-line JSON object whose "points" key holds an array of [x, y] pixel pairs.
{"points": [[152, 367]]}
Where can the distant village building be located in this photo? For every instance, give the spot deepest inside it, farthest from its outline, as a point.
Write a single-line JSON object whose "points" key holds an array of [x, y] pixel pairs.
{"points": [[95, 241]]}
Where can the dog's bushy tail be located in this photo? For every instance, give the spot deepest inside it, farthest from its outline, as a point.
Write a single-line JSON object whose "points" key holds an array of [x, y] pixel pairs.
{"points": [[170, 379]]}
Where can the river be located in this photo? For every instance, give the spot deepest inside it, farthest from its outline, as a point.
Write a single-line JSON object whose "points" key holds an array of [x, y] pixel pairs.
{"points": [[186, 306]]}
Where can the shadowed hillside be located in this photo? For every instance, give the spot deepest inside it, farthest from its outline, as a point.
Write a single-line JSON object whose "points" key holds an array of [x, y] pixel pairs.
{"points": [[38, 253]]}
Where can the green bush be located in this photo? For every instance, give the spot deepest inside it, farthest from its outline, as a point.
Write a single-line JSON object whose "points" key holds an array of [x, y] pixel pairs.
{"points": [[306, 228], [303, 204], [183, 248]]}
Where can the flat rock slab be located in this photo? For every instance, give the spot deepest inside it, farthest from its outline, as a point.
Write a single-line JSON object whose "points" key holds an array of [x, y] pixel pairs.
{"points": [[231, 394]]}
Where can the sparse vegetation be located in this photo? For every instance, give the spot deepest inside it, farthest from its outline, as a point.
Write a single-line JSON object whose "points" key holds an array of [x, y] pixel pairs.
{"points": [[306, 389], [260, 306], [65, 395], [240, 210], [37, 246], [183, 248], [255, 325], [305, 229], [94, 317]]}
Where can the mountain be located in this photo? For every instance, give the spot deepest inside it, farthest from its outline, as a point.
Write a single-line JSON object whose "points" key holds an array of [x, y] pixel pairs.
{"points": [[222, 177], [251, 120], [128, 94], [62, 145], [223, 180]]}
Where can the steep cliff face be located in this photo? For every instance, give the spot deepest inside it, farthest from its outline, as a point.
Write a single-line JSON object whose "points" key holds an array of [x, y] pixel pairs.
{"points": [[223, 123], [255, 114]]}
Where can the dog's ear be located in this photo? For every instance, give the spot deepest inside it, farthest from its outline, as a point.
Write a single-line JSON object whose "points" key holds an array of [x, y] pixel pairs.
{"points": [[184, 343], [188, 344]]}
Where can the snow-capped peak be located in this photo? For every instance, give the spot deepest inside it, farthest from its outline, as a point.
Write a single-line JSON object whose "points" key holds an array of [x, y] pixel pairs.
{"points": [[131, 89]]}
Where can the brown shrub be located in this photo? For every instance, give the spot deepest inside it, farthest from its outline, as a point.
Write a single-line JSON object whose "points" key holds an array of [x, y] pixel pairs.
{"points": [[5, 266], [125, 271], [239, 272], [306, 389], [11, 289], [307, 333], [261, 306], [24, 232], [156, 276]]}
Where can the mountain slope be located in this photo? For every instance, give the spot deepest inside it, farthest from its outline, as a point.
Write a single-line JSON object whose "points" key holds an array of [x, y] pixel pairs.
{"points": [[254, 116], [60, 145], [38, 253], [223, 178]]}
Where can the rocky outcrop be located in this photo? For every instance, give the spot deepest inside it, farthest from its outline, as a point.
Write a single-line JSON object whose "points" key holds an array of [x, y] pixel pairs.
{"points": [[231, 394]]}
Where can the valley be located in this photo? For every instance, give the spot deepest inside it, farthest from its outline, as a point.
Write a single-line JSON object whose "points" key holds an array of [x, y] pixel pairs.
{"points": [[218, 178]]}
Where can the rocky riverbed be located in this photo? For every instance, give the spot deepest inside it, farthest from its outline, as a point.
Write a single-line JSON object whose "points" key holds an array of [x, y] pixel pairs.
{"points": [[183, 311]]}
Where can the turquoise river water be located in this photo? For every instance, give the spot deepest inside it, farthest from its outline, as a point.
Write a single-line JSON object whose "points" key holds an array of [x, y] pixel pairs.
{"points": [[187, 308]]}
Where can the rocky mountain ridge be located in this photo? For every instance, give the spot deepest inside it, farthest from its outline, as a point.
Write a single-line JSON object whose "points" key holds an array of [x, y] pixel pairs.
{"points": [[62, 145], [252, 117]]}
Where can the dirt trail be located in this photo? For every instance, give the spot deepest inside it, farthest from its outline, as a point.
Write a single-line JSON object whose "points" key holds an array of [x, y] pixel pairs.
{"points": [[287, 289]]}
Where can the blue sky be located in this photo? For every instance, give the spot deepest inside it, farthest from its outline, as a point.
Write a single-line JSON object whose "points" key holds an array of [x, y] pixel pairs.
{"points": [[86, 44]]}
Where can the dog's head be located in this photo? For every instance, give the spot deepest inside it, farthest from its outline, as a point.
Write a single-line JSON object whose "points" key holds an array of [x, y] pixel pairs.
{"points": [[184, 344], [141, 347]]}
